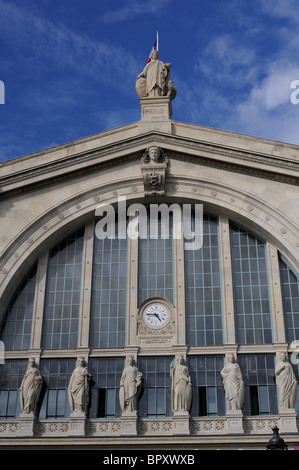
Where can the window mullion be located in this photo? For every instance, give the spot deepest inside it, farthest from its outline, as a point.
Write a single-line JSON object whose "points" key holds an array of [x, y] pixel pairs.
{"points": [[227, 281], [87, 265], [38, 309], [275, 295]]}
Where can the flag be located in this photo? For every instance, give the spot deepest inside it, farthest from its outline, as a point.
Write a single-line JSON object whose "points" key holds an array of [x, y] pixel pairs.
{"points": [[154, 48]]}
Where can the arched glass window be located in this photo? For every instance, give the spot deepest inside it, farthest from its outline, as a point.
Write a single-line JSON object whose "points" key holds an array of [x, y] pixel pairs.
{"points": [[16, 327], [290, 300], [250, 287], [203, 289], [109, 293], [63, 293]]}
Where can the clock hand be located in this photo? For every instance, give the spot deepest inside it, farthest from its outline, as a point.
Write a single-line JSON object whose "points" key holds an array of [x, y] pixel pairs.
{"points": [[156, 315]]}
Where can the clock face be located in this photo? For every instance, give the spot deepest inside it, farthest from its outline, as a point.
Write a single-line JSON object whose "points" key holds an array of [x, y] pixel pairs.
{"points": [[156, 315]]}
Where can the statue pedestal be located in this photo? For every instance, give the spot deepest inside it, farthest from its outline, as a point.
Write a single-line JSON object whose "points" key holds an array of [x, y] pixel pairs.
{"points": [[287, 420], [181, 423], [234, 422], [128, 426], [26, 424], [77, 424], [155, 115]]}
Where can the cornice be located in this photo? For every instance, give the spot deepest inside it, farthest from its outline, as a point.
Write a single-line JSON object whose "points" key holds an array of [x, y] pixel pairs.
{"points": [[129, 150]]}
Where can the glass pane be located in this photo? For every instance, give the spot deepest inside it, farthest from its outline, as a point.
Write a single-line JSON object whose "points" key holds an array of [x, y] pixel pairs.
{"points": [[106, 374], [110, 402], [151, 402], [109, 293], [156, 265], [290, 299], [63, 293], [250, 288], [203, 289], [156, 399], [16, 327], [212, 401], [161, 402], [205, 373], [258, 373]]}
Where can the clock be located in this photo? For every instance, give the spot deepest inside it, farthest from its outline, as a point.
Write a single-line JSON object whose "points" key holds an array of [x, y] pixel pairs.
{"points": [[156, 315]]}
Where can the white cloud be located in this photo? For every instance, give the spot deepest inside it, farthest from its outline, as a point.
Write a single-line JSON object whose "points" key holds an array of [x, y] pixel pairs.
{"points": [[225, 59], [281, 8], [67, 49], [268, 111], [133, 8]]}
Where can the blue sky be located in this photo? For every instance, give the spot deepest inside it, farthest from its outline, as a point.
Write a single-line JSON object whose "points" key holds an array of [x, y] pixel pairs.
{"points": [[69, 67]]}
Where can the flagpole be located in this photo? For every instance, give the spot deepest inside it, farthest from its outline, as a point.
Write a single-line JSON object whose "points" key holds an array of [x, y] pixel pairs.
{"points": [[157, 40]]}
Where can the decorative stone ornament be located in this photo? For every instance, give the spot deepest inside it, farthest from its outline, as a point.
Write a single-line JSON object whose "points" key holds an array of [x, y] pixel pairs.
{"points": [[153, 166]]}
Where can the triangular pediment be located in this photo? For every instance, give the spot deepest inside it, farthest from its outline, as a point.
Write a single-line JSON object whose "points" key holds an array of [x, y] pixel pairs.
{"points": [[190, 143]]}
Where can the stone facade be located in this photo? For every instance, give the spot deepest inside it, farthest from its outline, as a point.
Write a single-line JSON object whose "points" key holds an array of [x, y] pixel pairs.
{"points": [[47, 195]]}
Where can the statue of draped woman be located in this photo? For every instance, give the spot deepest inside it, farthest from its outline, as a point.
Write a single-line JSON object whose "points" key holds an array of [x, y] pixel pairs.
{"points": [[78, 389], [233, 384], [286, 383], [181, 396], [30, 388], [130, 387]]}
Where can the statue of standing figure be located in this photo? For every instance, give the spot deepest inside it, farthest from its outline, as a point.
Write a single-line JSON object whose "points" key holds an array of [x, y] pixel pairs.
{"points": [[233, 384], [286, 383], [30, 388], [181, 396], [78, 389], [153, 81], [130, 387]]}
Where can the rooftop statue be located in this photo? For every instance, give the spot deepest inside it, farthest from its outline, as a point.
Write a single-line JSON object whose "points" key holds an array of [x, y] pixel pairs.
{"points": [[154, 81]]}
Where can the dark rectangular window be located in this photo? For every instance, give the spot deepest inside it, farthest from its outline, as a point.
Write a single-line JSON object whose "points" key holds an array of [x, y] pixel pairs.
{"points": [[202, 401], [101, 402], [254, 400]]}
